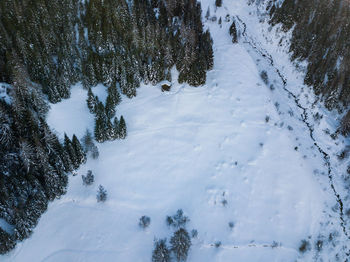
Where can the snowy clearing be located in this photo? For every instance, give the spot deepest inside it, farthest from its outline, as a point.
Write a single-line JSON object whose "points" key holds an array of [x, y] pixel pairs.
{"points": [[211, 151]]}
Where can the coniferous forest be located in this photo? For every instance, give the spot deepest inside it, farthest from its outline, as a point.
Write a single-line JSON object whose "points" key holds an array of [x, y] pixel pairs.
{"points": [[45, 48]]}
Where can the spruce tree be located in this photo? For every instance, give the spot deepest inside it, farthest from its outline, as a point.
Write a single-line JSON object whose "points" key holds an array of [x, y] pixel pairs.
{"points": [[122, 128], [68, 147], [180, 244], [91, 101], [161, 253], [233, 32], [110, 107], [116, 128], [79, 152], [100, 128]]}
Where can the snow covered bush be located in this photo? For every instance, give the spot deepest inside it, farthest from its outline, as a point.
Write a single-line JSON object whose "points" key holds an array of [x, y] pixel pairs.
{"points": [[231, 224], [194, 233], [217, 244], [264, 77], [144, 222], [101, 194], [88, 179], [177, 220], [180, 244], [161, 252], [304, 246]]}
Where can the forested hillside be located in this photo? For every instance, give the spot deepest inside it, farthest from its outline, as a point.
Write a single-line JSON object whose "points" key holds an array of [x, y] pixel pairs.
{"points": [[321, 35], [45, 48]]}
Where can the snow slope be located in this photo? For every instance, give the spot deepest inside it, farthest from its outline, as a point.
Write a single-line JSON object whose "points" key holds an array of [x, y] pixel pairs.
{"points": [[192, 148]]}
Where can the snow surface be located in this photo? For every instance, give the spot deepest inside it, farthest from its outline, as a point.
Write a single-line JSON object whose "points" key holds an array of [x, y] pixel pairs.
{"points": [[192, 148]]}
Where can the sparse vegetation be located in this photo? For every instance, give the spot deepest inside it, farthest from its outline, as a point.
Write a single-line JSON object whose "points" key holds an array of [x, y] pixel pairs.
{"points": [[178, 220], [88, 179], [101, 194], [304, 246], [144, 222]]}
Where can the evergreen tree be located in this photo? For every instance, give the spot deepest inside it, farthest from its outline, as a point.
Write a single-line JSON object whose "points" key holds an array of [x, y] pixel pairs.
{"points": [[161, 252], [100, 128], [122, 128], [180, 244], [101, 194], [116, 128], [80, 155], [233, 32], [110, 107], [91, 101], [68, 147]]}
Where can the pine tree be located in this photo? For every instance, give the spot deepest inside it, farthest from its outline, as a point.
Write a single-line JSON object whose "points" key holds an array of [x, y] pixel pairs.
{"points": [[116, 128], [101, 194], [233, 32], [207, 15], [161, 252], [122, 128], [180, 244], [79, 152], [68, 148], [114, 94], [99, 130], [92, 101], [110, 107]]}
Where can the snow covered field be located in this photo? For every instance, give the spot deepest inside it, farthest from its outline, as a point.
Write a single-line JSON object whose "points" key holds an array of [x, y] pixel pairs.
{"points": [[221, 152]]}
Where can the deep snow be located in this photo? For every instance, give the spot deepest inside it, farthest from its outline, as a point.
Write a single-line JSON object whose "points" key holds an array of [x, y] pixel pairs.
{"points": [[192, 148]]}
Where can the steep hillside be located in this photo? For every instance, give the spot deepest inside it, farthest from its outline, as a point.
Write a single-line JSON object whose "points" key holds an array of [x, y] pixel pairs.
{"points": [[321, 35]]}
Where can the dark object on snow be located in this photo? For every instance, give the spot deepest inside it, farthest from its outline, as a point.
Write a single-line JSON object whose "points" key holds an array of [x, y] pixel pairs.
{"points": [[166, 87], [177, 220], [161, 253], [180, 244], [304, 246], [233, 32], [101, 194], [88, 179], [144, 222], [218, 3], [217, 244]]}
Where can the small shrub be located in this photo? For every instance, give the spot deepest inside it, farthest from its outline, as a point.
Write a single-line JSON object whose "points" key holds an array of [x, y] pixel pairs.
{"points": [[267, 119], [274, 244], [101, 194], [217, 244], [264, 77], [177, 220], [88, 179], [144, 222], [194, 233], [224, 202], [231, 224], [304, 246], [319, 245]]}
